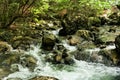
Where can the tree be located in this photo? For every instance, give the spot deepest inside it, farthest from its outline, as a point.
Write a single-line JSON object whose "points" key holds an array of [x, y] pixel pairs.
{"points": [[10, 10]]}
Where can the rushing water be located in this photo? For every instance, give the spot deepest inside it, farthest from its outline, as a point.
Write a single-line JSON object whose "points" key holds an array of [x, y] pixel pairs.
{"points": [[81, 70]]}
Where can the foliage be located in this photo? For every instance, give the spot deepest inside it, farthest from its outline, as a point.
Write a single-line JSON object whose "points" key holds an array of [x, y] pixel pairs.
{"points": [[53, 8], [10, 10]]}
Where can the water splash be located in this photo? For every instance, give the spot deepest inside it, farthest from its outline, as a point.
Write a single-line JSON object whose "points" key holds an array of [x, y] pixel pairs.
{"points": [[67, 46], [81, 70]]}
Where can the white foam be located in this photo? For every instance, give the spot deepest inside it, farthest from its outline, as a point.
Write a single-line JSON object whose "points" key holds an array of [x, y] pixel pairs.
{"points": [[67, 46], [80, 71]]}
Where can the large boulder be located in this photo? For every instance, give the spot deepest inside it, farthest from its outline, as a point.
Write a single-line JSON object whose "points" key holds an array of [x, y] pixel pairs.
{"points": [[48, 41], [68, 28]]}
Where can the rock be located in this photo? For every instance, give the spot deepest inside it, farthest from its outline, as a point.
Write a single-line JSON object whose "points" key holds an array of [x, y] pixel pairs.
{"points": [[68, 60], [73, 40], [86, 45], [110, 57], [28, 61], [60, 47], [7, 59], [44, 78], [48, 41], [4, 72], [22, 42], [81, 55], [58, 57], [95, 57], [4, 47], [107, 35], [67, 28], [86, 34], [117, 44], [107, 57]]}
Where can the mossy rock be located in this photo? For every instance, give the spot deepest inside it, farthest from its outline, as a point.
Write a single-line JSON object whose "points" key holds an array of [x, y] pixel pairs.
{"points": [[7, 59], [4, 47], [23, 42], [28, 61], [86, 34], [73, 40], [48, 41], [4, 72], [86, 45]]}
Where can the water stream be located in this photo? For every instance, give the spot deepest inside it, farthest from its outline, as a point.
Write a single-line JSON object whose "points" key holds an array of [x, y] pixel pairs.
{"points": [[81, 70]]}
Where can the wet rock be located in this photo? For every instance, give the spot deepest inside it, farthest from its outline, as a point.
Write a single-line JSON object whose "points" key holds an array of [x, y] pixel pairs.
{"points": [[81, 55], [107, 34], [86, 34], [58, 57], [44, 78], [28, 61], [4, 47], [95, 57], [109, 57], [86, 45], [117, 44], [73, 40], [48, 41], [22, 42], [4, 72], [60, 47], [7, 59]]}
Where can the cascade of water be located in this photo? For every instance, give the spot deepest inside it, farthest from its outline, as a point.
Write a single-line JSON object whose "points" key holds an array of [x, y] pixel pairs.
{"points": [[80, 71]]}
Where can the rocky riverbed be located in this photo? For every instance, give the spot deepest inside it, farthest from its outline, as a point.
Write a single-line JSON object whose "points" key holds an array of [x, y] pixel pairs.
{"points": [[61, 50]]}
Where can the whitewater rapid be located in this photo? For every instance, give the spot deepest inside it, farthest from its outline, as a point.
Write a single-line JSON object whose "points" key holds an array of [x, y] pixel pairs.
{"points": [[81, 70]]}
